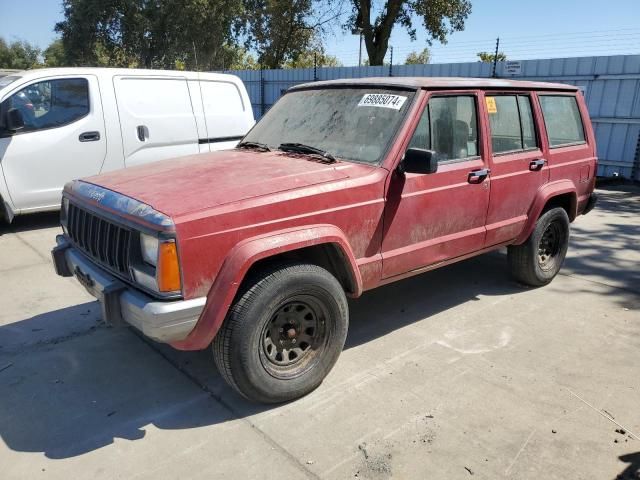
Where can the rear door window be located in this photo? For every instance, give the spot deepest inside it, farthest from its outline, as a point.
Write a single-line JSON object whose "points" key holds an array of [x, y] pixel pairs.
{"points": [[562, 120], [511, 122]]}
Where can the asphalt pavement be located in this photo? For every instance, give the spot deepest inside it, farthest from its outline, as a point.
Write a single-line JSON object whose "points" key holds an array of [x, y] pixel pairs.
{"points": [[457, 373]]}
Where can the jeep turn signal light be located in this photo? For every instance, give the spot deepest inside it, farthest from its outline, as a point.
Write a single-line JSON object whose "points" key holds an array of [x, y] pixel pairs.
{"points": [[168, 273]]}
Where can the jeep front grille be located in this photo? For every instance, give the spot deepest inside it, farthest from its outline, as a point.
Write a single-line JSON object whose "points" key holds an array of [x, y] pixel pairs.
{"points": [[107, 243]]}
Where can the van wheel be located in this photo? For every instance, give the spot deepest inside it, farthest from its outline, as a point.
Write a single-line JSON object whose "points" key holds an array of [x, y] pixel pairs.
{"points": [[540, 258], [283, 335]]}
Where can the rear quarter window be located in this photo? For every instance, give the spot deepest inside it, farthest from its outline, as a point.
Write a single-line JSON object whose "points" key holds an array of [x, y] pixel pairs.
{"points": [[562, 120], [223, 108]]}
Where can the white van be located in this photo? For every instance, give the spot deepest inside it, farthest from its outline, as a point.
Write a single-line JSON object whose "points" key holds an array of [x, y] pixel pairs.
{"points": [[65, 123]]}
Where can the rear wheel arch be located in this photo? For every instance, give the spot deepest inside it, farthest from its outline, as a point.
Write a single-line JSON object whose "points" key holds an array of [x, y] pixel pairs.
{"points": [[562, 193], [568, 201]]}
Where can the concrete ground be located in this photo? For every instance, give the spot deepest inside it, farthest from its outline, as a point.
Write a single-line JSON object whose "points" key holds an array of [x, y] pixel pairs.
{"points": [[456, 373]]}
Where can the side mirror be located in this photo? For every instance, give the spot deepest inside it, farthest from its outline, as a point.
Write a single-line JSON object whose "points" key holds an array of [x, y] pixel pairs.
{"points": [[419, 160], [14, 120]]}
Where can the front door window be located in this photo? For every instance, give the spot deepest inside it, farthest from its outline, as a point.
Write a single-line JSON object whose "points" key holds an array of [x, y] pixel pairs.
{"points": [[51, 103]]}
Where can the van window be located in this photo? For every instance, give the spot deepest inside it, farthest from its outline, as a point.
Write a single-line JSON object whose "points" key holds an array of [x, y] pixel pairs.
{"points": [[448, 126], [223, 109], [562, 120], [52, 103], [511, 122], [220, 98]]}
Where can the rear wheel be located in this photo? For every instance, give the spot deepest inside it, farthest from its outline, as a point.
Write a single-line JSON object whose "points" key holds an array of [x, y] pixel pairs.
{"points": [[283, 334], [538, 260]]}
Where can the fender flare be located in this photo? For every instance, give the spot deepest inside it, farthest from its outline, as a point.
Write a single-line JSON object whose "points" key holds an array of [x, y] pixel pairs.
{"points": [[243, 256], [543, 195]]}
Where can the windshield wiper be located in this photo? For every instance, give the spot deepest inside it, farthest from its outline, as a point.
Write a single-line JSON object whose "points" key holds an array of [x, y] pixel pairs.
{"points": [[302, 148], [260, 146]]}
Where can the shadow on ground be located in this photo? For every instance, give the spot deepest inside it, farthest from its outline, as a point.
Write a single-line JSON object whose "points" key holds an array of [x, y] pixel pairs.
{"points": [[71, 397], [632, 472], [26, 223], [604, 244]]}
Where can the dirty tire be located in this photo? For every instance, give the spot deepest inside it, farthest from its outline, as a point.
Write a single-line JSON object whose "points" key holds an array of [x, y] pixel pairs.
{"points": [[537, 261], [283, 334]]}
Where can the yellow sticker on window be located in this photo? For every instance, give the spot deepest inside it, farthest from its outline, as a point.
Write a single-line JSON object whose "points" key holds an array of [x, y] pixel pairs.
{"points": [[491, 105]]}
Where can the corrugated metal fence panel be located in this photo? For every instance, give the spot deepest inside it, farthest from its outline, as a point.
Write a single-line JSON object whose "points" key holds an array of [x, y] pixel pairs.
{"points": [[611, 85]]}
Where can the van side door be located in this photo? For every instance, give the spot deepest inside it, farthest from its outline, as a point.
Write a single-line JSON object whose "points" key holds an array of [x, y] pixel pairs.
{"points": [[518, 165], [63, 138], [156, 118], [431, 218]]}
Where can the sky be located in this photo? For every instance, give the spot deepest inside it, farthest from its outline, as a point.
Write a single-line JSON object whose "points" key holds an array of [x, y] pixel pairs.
{"points": [[540, 29]]}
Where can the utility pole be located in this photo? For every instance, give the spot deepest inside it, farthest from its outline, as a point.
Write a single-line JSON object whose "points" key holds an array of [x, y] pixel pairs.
{"points": [[495, 58], [315, 67], [358, 31], [391, 64]]}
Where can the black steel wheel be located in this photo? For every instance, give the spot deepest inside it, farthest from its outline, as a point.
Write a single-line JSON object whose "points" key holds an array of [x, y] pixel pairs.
{"points": [[295, 337], [550, 245], [538, 260], [283, 334]]}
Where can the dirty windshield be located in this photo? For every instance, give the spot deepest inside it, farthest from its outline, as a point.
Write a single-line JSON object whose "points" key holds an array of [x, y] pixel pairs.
{"points": [[347, 123]]}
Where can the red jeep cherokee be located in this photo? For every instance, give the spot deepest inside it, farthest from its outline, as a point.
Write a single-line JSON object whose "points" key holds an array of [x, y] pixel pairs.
{"points": [[343, 186]]}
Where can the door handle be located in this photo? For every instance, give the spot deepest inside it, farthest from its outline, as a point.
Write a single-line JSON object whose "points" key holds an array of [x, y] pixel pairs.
{"points": [[477, 176], [143, 133], [89, 137], [536, 165]]}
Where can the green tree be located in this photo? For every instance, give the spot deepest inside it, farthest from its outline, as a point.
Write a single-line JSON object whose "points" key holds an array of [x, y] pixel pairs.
{"points": [[421, 58], [315, 55], [439, 18], [278, 30], [19, 55], [54, 54], [491, 57], [242, 60], [149, 33]]}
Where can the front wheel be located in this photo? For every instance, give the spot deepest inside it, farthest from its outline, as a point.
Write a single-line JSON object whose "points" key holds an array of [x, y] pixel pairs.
{"points": [[538, 260], [283, 335]]}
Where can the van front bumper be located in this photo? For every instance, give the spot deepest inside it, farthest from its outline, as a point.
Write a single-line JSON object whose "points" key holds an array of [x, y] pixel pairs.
{"points": [[165, 322]]}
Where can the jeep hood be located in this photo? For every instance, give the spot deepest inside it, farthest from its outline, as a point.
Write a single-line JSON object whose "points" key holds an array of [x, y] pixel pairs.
{"points": [[188, 184]]}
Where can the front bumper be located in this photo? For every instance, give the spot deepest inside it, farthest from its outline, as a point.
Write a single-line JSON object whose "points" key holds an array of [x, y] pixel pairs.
{"points": [[166, 322]]}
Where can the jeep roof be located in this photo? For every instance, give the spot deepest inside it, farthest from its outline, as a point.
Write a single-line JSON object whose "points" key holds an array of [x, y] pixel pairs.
{"points": [[440, 83]]}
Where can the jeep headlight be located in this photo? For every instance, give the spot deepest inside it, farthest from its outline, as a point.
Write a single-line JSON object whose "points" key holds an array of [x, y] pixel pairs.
{"points": [[162, 273], [149, 248]]}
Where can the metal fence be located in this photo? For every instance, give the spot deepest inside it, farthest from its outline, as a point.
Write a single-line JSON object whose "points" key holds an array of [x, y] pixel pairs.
{"points": [[611, 85]]}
